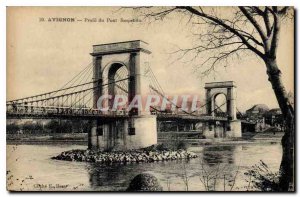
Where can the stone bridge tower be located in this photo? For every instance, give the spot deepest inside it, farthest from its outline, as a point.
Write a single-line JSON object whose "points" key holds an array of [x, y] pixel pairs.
{"points": [[227, 88], [139, 130]]}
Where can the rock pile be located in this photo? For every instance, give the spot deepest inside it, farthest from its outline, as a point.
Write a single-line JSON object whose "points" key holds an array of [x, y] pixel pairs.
{"points": [[124, 157]]}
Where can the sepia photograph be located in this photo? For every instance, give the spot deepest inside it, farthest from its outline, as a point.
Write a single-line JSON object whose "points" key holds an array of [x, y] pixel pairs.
{"points": [[150, 99]]}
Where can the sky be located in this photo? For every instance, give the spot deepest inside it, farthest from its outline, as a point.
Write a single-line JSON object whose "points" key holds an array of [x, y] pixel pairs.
{"points": [[42, 56]]}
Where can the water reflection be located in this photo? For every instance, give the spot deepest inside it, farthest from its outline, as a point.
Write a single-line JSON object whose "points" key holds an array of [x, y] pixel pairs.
{"points": [[214, 155], [105, 176]]}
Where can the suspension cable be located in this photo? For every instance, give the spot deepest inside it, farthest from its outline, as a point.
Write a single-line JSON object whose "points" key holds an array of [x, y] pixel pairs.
{"points": [[55, 91]]}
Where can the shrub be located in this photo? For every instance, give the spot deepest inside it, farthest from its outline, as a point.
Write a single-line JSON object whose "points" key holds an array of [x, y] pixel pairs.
{"points": [[262, 178], [162, 147], [181, 145]]}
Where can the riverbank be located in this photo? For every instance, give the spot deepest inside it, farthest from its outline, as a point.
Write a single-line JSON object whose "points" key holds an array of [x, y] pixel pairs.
{"points": [[81, 139], [123, 157], [247, 138]]}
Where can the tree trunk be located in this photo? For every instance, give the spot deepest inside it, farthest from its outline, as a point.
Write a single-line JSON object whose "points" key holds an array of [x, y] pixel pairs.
{"points": [[286, 179]]}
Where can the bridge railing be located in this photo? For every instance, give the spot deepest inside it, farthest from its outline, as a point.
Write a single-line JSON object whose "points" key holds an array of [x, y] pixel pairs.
{"points": [[51, 110]]}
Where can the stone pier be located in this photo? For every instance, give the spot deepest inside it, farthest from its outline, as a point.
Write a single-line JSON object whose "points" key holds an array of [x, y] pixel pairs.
{"points": [[139, 130]]}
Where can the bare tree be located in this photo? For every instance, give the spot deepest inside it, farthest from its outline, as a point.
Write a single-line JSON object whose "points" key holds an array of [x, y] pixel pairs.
{"points": [[222, 37]]}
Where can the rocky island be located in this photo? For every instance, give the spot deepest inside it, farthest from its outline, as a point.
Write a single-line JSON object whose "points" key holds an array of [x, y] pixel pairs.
{"points": [[122, 157]]}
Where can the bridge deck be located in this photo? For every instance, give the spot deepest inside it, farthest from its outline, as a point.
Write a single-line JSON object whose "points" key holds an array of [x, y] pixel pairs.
{"points": [[67, 113], [160, 117]]}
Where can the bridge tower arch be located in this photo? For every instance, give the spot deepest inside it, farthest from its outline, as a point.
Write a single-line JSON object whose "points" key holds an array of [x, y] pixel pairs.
{"points": [[219, 106], [227, 88], [114, 74], [139, 129]]}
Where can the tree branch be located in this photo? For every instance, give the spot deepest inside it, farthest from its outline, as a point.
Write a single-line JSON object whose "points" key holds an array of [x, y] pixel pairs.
{"points": [[284, 10], [254, 23], [275, 36], [221, 23], [267, 21]]}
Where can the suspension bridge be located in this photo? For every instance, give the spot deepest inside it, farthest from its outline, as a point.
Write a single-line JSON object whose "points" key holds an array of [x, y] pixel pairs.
{"points": [[123, 69]]}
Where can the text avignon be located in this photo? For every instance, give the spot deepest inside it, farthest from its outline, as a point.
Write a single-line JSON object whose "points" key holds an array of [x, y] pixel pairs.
{"points": [[61, 19]]}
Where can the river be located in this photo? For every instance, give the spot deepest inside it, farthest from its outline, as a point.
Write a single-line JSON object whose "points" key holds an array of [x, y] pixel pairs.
{"points": [[29, 167]]}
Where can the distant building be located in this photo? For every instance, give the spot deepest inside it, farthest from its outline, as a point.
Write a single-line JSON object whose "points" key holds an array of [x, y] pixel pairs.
{"points": [[256, 115], [274, 112], [274, 117]]}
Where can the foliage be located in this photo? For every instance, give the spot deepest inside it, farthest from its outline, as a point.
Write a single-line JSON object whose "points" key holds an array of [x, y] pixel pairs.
{"points": [[53, 126], [173, 144], [168, 145], [181, 144], [28, 126], [262, 178], [12, 128], [211, 177]]}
